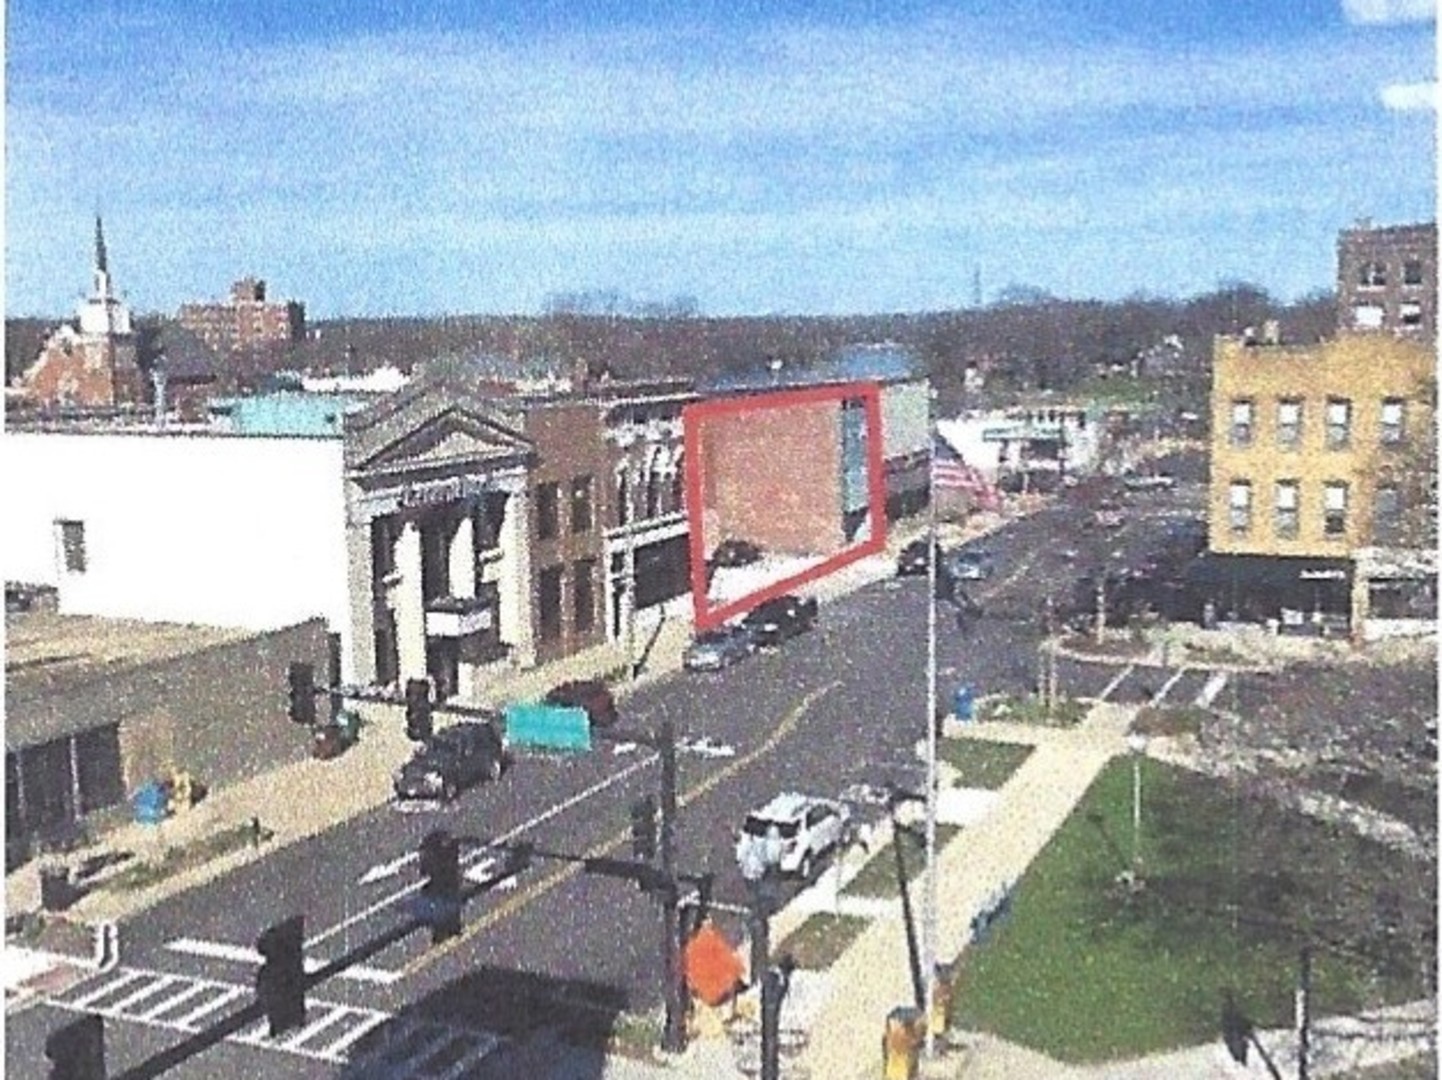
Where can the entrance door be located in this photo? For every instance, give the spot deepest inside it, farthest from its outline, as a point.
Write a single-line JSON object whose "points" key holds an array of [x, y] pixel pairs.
{"points": [[443, 665]]}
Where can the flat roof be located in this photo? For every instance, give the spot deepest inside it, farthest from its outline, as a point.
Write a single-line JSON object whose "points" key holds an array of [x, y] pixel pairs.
{"points": [[45, 653]]}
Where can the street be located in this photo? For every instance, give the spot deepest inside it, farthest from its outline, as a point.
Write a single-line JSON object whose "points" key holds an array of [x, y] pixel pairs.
{"points": [[558, 950]]}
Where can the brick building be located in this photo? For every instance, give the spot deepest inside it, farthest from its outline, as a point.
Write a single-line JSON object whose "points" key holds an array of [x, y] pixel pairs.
{"points": [[246, 320], [92, 364], [1387, 280]]}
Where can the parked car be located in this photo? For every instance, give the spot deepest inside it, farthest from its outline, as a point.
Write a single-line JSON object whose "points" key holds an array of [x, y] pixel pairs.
{"points": [[735, 552], [719, 648], [1149, 482], [790, 833], [593, 695], [774, 621], [452, 760], [912, 558], [970, 564]]}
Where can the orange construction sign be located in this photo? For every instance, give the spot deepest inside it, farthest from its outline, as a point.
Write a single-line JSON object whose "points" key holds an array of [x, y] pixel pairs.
{"points": [[713, 968]]}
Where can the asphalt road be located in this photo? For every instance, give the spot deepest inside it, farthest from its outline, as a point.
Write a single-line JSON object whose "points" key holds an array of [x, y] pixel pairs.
{"points": [[841, 706]]}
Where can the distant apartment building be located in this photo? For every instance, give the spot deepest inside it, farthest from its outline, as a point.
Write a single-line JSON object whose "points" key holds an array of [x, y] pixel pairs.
{"points": [[1320, 496], [245, 320], [1387, 280]]}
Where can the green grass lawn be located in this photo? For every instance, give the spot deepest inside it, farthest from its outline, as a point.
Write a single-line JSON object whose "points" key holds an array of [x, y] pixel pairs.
{"points": [[878, 877], [981, 763], [816, 943], [1234, 887], [1028, 709]]}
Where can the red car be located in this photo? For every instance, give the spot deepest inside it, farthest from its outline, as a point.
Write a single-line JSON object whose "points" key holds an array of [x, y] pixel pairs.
{"points": [[593, 695]]}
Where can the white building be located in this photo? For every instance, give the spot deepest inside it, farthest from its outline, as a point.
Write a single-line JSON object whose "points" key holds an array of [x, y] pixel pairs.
{"points": [[1040, 443], [187, 527]]}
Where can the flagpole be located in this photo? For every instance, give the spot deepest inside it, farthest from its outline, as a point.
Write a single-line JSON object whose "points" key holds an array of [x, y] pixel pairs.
{"points": [[930, 946]]}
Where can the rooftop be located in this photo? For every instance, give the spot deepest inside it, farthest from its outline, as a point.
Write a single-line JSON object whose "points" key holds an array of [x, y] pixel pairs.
{"points": [[47, 654]]}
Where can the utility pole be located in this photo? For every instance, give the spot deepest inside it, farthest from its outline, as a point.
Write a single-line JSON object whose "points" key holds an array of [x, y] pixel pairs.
{"points": [[931, 945], [1304, 1014], [673, 1039], [1101, 619]]}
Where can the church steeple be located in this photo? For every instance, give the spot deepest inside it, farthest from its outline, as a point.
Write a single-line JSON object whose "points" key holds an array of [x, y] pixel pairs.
{"points": [[101, 265]]}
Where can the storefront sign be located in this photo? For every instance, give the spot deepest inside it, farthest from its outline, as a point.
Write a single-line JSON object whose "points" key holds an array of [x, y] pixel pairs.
{"points": [[1322, 575]]}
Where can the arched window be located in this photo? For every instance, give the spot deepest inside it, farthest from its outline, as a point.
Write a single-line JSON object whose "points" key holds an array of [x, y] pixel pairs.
{"points": [[623, 495], [678, 482]]}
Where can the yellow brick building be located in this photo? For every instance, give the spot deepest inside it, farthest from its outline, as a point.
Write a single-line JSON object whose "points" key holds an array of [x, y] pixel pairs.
{"points": [[1319, 459]]}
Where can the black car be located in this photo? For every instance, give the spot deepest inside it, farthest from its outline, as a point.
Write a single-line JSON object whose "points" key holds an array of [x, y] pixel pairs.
{"points": [[735, 552], [452, 760], [913, 558], [773, 621], [593, 695]]}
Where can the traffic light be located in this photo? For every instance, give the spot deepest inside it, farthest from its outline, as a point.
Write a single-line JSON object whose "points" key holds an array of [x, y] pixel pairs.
{"points": [[1236, 1030], [77, 1050], [440, 858], [418, 709], [643, 828], [302, 693], [280, 982]]}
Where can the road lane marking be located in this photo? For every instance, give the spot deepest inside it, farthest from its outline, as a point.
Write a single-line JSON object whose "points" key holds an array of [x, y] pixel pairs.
{"points": [[1209, 692], [381, 871], [240, 954], [1107, 690], [335, 1050], [1166, 689], [563, 873], [476, 853]]}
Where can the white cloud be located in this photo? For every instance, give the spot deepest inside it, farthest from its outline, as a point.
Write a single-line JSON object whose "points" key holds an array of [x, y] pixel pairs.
{"points": [[1410, 97], [1386, 12]]}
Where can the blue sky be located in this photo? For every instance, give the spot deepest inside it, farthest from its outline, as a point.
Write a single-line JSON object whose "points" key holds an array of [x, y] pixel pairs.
{"points": [[376, 158]]}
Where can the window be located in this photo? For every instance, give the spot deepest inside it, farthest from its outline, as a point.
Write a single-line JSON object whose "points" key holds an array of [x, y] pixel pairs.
{"points": [[584, 595], [678, 486], [1339, 423], [1285, 522], [98, 769], [1386, 514], [1368, 316], [1241, 423], [548, 523], [1239, 502], [1289, 424], [1372, 275], [653, 489], [1334, 508], [581, 504], [1394, 413], [1412, 272], [72, 546], [550, 603], [623, 496], [1409, 313]]}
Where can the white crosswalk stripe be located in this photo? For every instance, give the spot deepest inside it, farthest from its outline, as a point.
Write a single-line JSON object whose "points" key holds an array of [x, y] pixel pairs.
{"points": [[394, 1047]]}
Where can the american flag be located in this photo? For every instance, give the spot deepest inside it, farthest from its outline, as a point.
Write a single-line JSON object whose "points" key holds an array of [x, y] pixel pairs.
{"points": [[950, 472]]}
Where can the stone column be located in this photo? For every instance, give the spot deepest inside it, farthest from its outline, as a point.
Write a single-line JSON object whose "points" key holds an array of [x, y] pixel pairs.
{"points": [[359, 660], [514, 578], [463, 558], [410, 605]]}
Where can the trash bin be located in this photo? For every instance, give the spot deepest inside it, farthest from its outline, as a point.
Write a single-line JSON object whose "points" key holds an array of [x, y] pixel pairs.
{"points": [[56, 893], [965, 703], [152, 804], [901, 1045]]}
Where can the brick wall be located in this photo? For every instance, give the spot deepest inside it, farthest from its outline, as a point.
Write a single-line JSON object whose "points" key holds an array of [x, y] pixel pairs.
{"points": [[773, 476]]}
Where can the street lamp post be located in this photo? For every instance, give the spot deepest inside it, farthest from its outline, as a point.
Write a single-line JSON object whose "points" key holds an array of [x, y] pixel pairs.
{"points": [[1137, 743]]}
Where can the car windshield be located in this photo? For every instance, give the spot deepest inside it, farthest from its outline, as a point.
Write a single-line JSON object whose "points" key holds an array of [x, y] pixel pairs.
{"points": [[714, 637], [758, 826]]}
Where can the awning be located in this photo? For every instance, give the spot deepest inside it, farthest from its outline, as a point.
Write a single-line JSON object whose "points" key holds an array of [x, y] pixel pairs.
{"points": [[1267, 571]]}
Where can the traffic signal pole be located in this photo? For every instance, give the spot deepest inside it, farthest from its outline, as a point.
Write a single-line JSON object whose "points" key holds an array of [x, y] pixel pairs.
{"points": [[673, 1039]]}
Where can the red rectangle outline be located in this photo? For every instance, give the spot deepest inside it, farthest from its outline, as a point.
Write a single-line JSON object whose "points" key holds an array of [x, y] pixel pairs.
{"points": [[706, 616]]}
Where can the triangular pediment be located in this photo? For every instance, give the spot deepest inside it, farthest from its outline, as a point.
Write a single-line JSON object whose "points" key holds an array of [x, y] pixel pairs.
{"points": [[454, 436]]}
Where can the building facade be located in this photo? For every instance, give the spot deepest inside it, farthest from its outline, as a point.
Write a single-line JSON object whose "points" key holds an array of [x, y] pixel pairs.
{"points": [[1318, 499], [92, 364], [245, 320], [1387, 280]]}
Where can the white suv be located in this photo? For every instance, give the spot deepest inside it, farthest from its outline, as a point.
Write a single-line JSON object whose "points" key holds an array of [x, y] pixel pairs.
{"points": [[790, 833]]}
